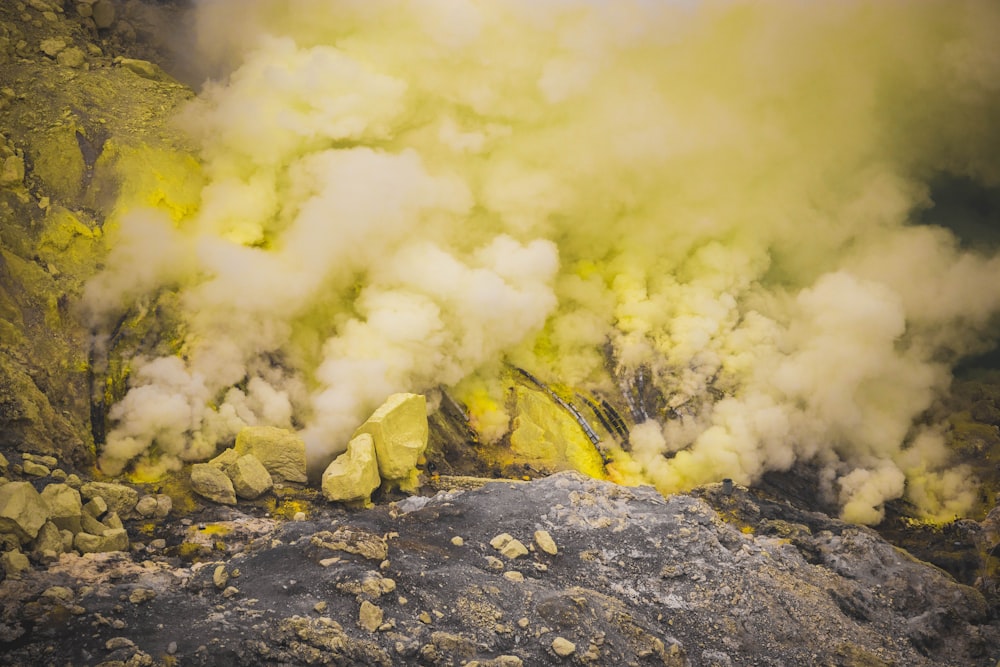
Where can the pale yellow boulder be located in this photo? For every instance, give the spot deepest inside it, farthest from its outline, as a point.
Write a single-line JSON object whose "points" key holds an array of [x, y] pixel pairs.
{"points": [[65, 506], [282, 452], [119, 498], [399, 431], [23, 511], [212, 482], [250, 478], [354, 474], [112, 539]]}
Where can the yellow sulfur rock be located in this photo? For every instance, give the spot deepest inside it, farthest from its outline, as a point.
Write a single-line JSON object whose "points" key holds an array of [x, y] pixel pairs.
{"points": [[399, 432], [545, 433], [354, 474]]}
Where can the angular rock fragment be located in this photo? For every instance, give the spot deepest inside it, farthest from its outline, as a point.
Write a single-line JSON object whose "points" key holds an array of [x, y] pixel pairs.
{"points": [[370, 616], [508, 546], [119, 498], [212, 483], [282, 452], [113, 539], [399, 432], [23, 511], [354, 474], [65, 506], [249, 476], [14, 562], [545, 542]]}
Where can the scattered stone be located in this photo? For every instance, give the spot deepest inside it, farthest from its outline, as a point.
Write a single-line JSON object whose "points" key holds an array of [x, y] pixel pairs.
{"points": [[353, 475], [508, 546], [140, 595], [59, 593], [23, 511], [103, 13], [171, 648], [220, 577], [563, 647], [116, 643], [52, 46], [74, 481], [145, 69], [212, 483], [230, 592], [35, 469], [424, 618], [457, 541], [282, 452], [49, 539], [65, 506], [3, 463], [89, 524], [119, 497], [14, 562], [352, 541], [249, 476], [163, 506], [95, 507], [494, 563], [370, 616], [112, 520], [545, 542], [112, 539], [513, 575], [146, 506], [225, 458], [299, 516], [320, 606], [59, 475], [399, 432], [12, 172]]}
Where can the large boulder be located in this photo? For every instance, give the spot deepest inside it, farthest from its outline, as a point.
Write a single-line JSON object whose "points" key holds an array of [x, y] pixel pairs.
{"points": [[249, 476], [354, 474], [23, 511], [212, 482], [119, 498], [112, 539], [65, 506], [399, 431], [282, 452]]}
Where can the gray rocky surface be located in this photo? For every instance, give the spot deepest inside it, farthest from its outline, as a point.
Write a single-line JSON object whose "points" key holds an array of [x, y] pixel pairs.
{"points": [[704, 579]]}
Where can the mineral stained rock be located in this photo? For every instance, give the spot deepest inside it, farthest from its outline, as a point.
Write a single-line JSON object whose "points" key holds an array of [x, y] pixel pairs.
{"points": [[282, 452], [353, 475], [23, 510], [250, 478], [399, 431], [213, 483]]}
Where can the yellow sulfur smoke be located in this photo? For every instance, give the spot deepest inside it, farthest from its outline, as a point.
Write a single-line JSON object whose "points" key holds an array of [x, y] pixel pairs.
{"points": [[401, 194]]}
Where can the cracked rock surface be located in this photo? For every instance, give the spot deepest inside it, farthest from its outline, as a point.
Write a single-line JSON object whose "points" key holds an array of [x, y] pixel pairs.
{"points": [[703, 579]]}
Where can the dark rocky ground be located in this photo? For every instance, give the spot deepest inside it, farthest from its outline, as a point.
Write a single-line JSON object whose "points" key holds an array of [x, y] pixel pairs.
{"points": [[703, 579]]}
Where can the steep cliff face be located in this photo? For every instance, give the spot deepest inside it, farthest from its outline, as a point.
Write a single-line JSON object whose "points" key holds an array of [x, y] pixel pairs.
{"points": [[85, 136]]}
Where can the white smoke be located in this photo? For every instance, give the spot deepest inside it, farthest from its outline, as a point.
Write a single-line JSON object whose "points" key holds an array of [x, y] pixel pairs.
{"points": [[400, 194]]}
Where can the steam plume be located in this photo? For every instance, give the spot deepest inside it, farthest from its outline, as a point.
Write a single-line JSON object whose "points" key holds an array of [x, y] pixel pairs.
{"points": [[401, 194]]}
